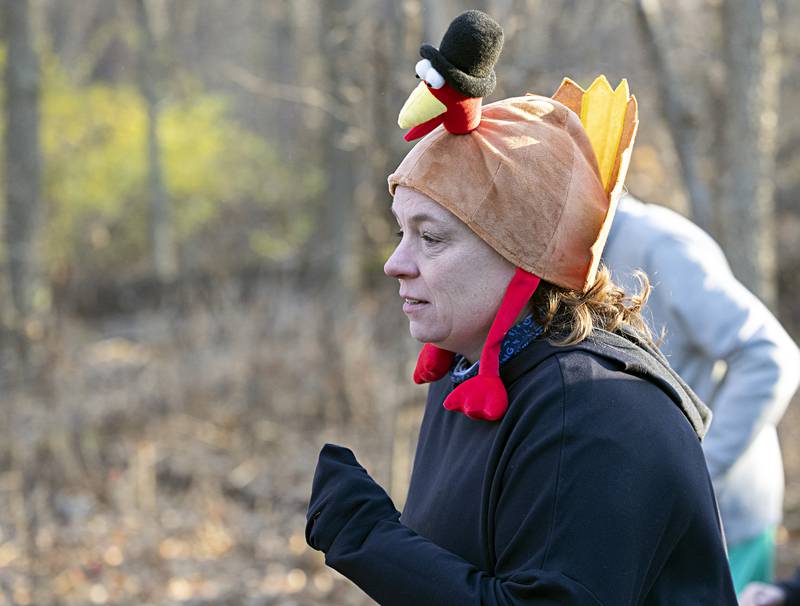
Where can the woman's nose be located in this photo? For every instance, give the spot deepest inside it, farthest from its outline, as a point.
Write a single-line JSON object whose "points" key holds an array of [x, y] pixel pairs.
{"points": [[400, 264]]}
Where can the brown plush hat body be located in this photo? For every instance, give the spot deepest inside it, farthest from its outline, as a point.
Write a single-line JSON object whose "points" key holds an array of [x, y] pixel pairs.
{"points": [[526, 181]]}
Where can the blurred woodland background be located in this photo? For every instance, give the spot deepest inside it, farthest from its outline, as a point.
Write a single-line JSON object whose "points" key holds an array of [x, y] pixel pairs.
{"points": [[195, 218]]}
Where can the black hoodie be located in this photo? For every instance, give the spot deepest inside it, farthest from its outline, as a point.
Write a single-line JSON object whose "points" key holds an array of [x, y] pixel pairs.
{"points": [[592, 489]]}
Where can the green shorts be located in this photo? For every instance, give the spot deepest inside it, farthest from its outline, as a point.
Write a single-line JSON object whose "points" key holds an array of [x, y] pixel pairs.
{"points": [[753, 560]]}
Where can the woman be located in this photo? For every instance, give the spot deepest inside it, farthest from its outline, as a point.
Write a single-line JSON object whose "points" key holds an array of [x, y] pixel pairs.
{"points": [[559, 457]]}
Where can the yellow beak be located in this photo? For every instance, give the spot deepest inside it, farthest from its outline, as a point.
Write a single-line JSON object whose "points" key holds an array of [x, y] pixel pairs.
{"points": [[420, 107]]}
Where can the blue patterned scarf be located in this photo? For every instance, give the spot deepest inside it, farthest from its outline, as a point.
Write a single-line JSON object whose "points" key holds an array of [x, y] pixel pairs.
{"points": [[517, 338]]}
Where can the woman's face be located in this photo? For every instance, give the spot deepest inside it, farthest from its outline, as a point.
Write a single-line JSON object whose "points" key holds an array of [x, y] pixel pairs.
{"points": [[451, 281]]}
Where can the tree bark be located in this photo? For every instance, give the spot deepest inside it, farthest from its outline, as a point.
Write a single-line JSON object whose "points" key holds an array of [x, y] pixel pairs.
{"points": [[337, 249], [436, 16], [679, 119], [753, 63], [161, 231], [23, 167], [386, 94], [341, 220]]}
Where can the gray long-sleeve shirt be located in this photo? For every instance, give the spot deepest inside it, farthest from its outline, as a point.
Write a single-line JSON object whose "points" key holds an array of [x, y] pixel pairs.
{"points": [[725, 344]]}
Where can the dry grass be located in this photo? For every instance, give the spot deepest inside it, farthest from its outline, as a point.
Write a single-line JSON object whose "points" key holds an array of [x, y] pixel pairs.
{"points": [[167, 457]]}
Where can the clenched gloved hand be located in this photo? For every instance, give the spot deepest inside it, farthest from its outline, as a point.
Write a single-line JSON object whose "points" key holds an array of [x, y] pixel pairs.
{"points": [[346, 502]]}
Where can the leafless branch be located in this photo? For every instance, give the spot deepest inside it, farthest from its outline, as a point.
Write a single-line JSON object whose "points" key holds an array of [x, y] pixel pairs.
{"points": [[305, 95]]}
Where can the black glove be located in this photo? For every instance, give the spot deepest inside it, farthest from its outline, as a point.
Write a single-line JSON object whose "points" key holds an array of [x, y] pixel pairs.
{"points": [[345, 501]]}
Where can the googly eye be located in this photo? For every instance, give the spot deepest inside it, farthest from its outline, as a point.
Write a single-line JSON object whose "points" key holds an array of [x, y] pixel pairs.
{"points": [[434, 78], [422, 67]]}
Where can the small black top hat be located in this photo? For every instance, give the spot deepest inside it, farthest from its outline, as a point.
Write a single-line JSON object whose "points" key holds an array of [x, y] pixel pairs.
{"points": [[468, 52]]}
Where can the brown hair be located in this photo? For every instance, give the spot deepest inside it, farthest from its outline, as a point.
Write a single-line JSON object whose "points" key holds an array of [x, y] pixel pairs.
{"points": [[569, 316]]}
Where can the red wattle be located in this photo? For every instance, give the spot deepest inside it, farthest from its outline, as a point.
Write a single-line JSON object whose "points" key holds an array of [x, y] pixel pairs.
{"points": [[420, 130]]}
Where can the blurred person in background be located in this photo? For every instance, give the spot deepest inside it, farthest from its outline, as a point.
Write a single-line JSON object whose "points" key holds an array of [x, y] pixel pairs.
{"points": [[732, 352], [784, 593], [559, 457]]}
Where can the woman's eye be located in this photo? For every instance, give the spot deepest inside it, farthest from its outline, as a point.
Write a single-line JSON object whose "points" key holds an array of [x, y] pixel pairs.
{"points": [[399, 234], [430, 239]]}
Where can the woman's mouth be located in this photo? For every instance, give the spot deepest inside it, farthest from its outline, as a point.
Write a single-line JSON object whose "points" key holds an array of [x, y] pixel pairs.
{"points": [[411, 305]]}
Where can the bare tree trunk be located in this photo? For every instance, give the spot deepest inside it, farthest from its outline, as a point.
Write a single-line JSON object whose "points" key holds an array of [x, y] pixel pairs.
{"points": [[283, 57], [752, 62], [73, 28], [161, 232], [436, 16], [23, 168], [386, 93], [680, 121], [340, 223], [341, 219]]}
